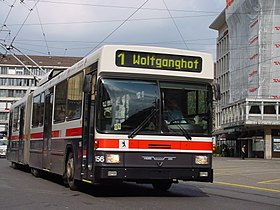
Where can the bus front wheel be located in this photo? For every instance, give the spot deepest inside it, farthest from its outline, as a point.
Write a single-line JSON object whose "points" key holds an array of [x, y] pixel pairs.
{"points": [[70, 172]]}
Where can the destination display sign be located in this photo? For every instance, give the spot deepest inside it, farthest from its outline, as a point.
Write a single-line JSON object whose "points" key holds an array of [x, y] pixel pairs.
{"points": [[151, 60]]}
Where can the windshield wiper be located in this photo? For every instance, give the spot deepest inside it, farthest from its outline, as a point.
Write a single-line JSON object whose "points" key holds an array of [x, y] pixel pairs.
{"points": [[184, 131], [142, 124]]}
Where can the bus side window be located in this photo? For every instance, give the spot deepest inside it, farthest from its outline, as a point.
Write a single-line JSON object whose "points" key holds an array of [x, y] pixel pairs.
{"points": [[74, 97], [16, 119], [42, 108], [10, 123], [60, 102], [36, 111]]}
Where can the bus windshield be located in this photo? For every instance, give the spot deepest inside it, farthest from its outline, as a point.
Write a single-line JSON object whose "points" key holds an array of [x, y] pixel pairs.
{"points": [[154, 107]]}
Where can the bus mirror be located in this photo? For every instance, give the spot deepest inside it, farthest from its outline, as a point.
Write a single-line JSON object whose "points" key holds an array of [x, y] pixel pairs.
{"points": [[87, 86], [217, 91]]}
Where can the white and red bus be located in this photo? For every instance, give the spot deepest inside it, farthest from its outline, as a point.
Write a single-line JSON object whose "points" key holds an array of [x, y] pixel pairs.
{"points": [[112, 117]]}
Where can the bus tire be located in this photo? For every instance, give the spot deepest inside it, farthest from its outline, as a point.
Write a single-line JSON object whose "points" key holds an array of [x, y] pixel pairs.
{"points": [[162, 185], [14, 165], [35, 172], [70, 172]]}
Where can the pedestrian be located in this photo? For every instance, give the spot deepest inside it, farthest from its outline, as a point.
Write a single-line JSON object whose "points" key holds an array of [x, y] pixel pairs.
{"points": [[243, 151]]}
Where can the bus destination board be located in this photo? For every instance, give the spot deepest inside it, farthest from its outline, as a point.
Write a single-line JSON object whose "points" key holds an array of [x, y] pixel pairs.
{"points": [[158, 61]]}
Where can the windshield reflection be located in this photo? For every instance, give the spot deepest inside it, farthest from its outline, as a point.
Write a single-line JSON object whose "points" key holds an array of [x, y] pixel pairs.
{"points": [[125, 105]]}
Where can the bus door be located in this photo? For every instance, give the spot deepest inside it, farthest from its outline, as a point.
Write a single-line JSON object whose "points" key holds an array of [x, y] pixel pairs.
{"points": [[47, 134], [21, 134], [88, 127]]}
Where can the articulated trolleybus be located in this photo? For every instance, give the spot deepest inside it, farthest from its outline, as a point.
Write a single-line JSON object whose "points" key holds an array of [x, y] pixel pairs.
{"points": [[123, 113]]}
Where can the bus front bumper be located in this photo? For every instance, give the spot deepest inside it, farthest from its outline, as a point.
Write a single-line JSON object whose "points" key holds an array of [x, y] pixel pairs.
{"points": [[149, 174]]}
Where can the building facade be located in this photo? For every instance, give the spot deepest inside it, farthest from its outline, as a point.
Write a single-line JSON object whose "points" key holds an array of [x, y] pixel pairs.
{"points": [[19, 74], [248, 71]]}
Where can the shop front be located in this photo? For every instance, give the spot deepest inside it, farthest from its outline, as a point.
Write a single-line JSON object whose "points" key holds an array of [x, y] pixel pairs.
{"points": [[275, 143]]}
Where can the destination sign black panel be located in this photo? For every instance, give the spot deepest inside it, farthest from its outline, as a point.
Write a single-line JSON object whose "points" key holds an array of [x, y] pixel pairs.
{"points": [[158, 61]]}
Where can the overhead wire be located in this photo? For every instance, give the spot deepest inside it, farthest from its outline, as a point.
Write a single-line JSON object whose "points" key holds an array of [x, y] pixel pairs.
{"points": [[176, 26], [26, 24], [123, 7], [30, 10], [190, 42], [30, 59], [118, 26], [43, 32], [9, 48], [112, 21], [84, 46], [46, 42], [21, 62], [4, 23], [91, 42]]}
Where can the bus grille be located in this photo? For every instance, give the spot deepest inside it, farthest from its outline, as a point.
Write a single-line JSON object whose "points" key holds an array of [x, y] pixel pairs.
{"points": [[159, 146]]}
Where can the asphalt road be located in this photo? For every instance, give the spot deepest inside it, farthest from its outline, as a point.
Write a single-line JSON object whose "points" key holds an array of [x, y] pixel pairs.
{"points": [[239, 184]]}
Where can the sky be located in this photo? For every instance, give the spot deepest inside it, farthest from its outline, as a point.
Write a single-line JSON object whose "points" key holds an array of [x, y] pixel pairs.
{"points": [[78, 27]]}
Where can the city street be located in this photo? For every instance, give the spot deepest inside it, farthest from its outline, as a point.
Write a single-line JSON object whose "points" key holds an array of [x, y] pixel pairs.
{"points": [[239, 184], [107, 91]]}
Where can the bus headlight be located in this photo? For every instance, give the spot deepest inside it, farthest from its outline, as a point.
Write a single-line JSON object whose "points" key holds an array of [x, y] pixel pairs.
{"points": [[201, 160], [112, 158]]}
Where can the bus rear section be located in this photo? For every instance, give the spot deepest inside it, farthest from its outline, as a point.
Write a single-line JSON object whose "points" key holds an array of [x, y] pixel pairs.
{"points": [[19, 132]]}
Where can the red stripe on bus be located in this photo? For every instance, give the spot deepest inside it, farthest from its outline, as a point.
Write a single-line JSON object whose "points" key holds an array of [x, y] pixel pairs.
{"points": [[38, 135], [14, 137], [17, 137], [156, 144], [153, 144], [196, 145], [56, 133], [108, 143], [74, 131]]}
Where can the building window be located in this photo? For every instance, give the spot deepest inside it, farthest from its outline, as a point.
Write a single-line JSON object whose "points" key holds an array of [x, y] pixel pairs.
{"points": [[3, 70], [10, 93], [3, 93], [269, 109], [276, 144], [19, 71], [2, 81], [3, 116], [26, 72], [255, 109]]}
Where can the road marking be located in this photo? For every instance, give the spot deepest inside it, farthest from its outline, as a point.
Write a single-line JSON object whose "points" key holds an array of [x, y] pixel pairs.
{"points": [[229, 173], [270, 181], [247, 186], [87, 181]]}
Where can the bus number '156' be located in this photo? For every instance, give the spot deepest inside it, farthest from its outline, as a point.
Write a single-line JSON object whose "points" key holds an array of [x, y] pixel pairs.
{"points": [[99, 159]]}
